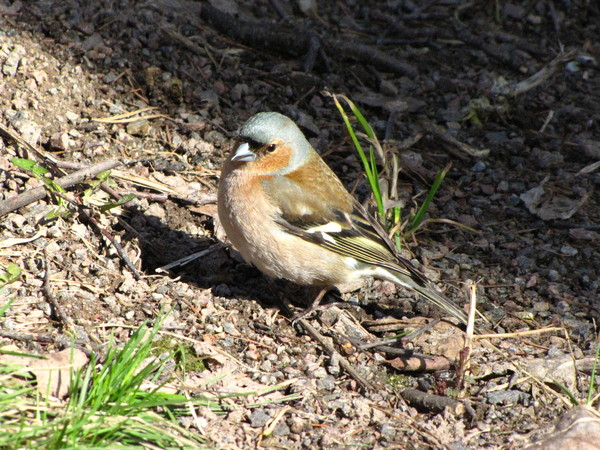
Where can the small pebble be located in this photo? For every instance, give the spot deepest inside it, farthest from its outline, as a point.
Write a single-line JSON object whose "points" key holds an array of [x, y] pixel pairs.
{"points": [[479, 166], [510, 397], [281, 429], [327, 383], [568, 250], [553, 275], [259, 418]]}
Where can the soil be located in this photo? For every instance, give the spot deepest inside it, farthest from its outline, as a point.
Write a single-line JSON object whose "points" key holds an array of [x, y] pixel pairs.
{"points": [[164, 86]]}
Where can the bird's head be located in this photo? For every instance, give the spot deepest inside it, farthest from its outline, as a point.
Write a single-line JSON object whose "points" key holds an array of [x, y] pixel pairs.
{"points": [[272, 144]]}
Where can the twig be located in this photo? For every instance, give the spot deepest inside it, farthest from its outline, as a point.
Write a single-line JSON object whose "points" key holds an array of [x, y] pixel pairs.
{"points": [[148, 195], [464, 360], [92, 220], [407, 338], [415, 334], [58, 310], [328, 348], [198, 49], [517, 334], [71, 165], [118, 194], [536, 79], [38, 193], [431, 402], [130, 116], [30, 337], [188, 259], [41, 154], [333, 353], [461, 147], [60, 340], [295, 42], [416, 363]]}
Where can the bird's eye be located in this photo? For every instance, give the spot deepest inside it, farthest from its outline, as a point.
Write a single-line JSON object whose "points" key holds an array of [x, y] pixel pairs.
{"points": [[271, 148]]}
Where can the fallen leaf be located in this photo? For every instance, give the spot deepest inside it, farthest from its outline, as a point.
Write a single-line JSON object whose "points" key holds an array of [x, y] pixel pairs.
{"points": [[53, 371], [549, 205]]}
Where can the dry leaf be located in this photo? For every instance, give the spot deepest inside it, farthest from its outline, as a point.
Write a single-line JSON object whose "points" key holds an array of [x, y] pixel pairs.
{"points": [[548, 205], [53, 372]]}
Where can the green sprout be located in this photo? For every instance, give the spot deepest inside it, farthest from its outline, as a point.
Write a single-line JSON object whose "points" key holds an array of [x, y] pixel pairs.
{"points": [[391, 217]]}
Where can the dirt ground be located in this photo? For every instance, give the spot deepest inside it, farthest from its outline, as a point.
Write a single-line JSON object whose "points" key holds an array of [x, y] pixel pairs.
{"points": [[508, 92]]}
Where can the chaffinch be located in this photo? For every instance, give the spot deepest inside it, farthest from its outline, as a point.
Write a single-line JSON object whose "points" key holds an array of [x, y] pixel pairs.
{"points": [[288, 214]]}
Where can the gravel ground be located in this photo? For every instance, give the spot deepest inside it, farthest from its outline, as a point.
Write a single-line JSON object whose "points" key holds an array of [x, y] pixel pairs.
{"points": [[164, 86]]}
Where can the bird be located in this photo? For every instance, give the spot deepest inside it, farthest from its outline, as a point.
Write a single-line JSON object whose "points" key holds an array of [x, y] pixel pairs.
{"points": [[288, 214]]}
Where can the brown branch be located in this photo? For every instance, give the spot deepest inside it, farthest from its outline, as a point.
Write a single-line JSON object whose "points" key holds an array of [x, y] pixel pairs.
{"points": [[432, 403], [47, 289], [40, 154], [333, 353], [420, 364], [537, 78], [293, 41], [329, 349], [455, 147], [60, 340], [38, 193], [92, 220]]}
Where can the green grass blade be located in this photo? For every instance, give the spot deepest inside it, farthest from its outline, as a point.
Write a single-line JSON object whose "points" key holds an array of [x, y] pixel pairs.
{"points": [[593, 376], [369, 164], [418, 218], [7, 304], [568, 393], [361, 119], [355, 141]]}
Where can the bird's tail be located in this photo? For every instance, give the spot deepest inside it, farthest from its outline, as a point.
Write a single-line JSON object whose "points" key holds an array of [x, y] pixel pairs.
{"points": [[410, 278], [414, 281], [441, 302]]}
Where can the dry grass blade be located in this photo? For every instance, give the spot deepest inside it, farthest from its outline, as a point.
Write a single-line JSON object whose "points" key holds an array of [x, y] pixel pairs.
{"points": [[143, 182], [132, 116], [518, 333]]}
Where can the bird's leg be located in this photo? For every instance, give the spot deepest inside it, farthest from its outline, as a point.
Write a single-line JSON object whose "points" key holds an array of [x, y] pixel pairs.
{"points": [[312, 307]]}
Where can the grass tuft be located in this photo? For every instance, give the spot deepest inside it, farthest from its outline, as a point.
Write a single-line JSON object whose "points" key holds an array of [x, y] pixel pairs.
{"points": [[108, 405], [391, 217], [117, 404]]}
